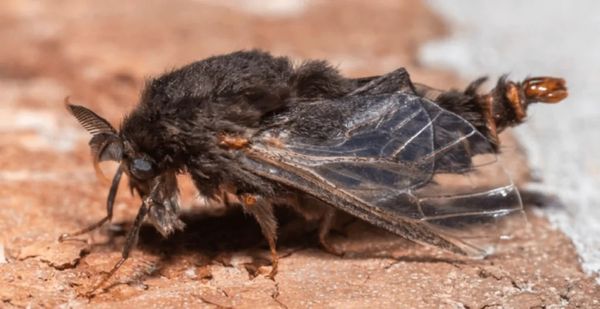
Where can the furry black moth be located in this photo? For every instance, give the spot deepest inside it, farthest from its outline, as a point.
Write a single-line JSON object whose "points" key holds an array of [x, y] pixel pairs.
{"points": [[256, 130]]}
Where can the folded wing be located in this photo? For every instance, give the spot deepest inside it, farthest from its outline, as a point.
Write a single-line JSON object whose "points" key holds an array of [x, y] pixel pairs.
{"points": [[398, 161]]}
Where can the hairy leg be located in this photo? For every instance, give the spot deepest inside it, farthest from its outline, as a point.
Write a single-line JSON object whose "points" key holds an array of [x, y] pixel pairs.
{"points": [[262, 210], [314, 210], [324, 228]]}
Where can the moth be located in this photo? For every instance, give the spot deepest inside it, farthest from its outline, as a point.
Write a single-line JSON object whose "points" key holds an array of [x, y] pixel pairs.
{"points": [[256, 130]]}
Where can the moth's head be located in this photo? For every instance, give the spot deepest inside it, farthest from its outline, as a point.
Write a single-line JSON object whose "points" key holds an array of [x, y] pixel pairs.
{"points": [[108, 145], [157, 188]]}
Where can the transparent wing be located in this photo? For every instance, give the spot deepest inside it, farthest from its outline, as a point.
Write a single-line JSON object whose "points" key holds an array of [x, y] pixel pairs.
{"points": [[398, 161]]}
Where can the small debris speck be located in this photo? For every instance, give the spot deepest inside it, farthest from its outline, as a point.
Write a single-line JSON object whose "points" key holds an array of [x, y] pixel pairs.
{"points": [[191, 273]]}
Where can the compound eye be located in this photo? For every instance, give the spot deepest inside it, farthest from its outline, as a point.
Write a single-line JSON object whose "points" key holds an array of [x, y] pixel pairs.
{"points": [[142, 169]]}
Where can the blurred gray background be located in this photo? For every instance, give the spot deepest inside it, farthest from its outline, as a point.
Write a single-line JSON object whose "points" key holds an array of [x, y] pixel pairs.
{"points": [[560, 38]]}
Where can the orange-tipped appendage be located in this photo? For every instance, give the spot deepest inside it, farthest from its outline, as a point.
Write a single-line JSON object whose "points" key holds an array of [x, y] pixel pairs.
{"points": [[545, 89]]}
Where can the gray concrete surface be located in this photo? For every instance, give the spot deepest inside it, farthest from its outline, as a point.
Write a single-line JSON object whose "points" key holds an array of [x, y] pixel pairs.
{"points": [[538, 37]]}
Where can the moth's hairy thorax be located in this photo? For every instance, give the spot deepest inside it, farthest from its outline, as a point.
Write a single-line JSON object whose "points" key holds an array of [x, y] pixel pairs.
{"points": [[182, 113]]}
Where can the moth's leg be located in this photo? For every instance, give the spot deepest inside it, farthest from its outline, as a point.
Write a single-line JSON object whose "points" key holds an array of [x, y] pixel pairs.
{"points": [[262, 210], [398, 80], [229, 197], [325, 226], [314, 210], [132, 238], [109, 209]]}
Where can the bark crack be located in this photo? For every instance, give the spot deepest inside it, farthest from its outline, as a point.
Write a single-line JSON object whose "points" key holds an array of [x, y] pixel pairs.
{"points": [[483, 273], [275, 296]]}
